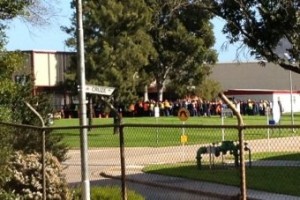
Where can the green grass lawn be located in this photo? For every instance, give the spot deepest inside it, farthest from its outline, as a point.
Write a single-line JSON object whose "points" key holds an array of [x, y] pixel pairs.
{"points": [[283, 180], [290, 156], [213, 120], [156, 137]]}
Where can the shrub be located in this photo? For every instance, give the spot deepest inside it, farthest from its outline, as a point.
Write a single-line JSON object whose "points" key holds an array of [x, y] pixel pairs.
{"points": [[26, 178]]}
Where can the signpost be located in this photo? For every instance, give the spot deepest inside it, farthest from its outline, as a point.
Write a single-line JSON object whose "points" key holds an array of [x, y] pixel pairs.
{"points": [[183, 115], [103, 90], [95, 89], [92, 89], [85, 182]]}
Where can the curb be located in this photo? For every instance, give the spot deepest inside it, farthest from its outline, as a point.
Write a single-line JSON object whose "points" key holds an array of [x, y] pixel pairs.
{"points": [[175, 188]]}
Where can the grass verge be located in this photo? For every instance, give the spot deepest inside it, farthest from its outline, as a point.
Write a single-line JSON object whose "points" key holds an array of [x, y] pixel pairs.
{"points": [[282, 180]]}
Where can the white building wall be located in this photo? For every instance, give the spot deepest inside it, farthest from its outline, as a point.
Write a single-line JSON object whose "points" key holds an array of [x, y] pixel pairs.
{"points": [[286, 102], [49, 68], [285, 99], [45, 69]]}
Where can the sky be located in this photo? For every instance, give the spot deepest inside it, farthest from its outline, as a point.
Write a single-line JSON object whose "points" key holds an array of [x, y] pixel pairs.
{"points": [[21, 36]]}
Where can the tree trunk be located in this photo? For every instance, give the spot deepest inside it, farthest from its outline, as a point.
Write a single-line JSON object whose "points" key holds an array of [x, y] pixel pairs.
{"points": [[160, 93], [160, 90], [146, 97]]}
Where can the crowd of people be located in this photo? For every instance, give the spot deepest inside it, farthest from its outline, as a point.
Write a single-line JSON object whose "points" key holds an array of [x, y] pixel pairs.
{"points": [[196, 107]]}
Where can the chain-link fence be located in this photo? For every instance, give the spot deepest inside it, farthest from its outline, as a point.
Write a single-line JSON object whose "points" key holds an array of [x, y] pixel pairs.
{"points": [[187, 161]]}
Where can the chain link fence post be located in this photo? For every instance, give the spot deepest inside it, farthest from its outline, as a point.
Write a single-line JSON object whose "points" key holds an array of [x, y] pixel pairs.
{"points": [[43, 148], [123, 165], [243, 189]]}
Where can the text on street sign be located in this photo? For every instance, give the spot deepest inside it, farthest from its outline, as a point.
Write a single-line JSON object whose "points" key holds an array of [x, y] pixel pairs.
{"points": [[94, 89]]}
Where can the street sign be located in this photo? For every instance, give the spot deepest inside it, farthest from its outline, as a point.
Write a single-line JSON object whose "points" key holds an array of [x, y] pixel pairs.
{"points": [[183, 114], [103, 90]]}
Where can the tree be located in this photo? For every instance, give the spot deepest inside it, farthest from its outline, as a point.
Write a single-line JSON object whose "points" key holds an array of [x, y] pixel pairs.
{"points": [[30, 141], [182, 37], [208, 90], [116, 44], [8, 64], [265, 27], [158, 40]]}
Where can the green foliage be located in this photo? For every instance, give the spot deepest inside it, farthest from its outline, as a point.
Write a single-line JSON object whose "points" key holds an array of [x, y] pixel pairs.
{"points": [[23, 137], [9, 63], [9, 9], [182, 37], [117, 44], [13, 109], [109, 193], [209, 89], [5, 113], [30, 141], [26, 177], [129, 44], [5, 151], [262, 25]]}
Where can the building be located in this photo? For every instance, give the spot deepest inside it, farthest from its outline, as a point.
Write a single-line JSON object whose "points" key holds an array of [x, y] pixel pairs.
{"points": [[47, 69], [245, 81], [251, 75], [241, 80], [284, 96]]}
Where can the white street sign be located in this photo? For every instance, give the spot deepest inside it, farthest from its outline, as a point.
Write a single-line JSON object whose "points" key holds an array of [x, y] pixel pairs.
{"points": [[94, 89]]}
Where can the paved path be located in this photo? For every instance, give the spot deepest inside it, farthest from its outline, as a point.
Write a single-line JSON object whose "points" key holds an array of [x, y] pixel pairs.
{"points": [[157, 187]]}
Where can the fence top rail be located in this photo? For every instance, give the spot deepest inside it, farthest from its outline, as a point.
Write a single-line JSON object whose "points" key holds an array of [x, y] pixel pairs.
{"points": [[20, 125], [124, 125], [200, 126], [213, 126]]}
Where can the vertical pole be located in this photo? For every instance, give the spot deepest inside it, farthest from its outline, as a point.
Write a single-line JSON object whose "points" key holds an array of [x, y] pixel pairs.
{"points": [[291, 95], [122, 154], [182, 142], [90, 113], [242, 165], [243, 187], [268, 123], [222, 123], [156, 119], [44, 163], [82, 100]]}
